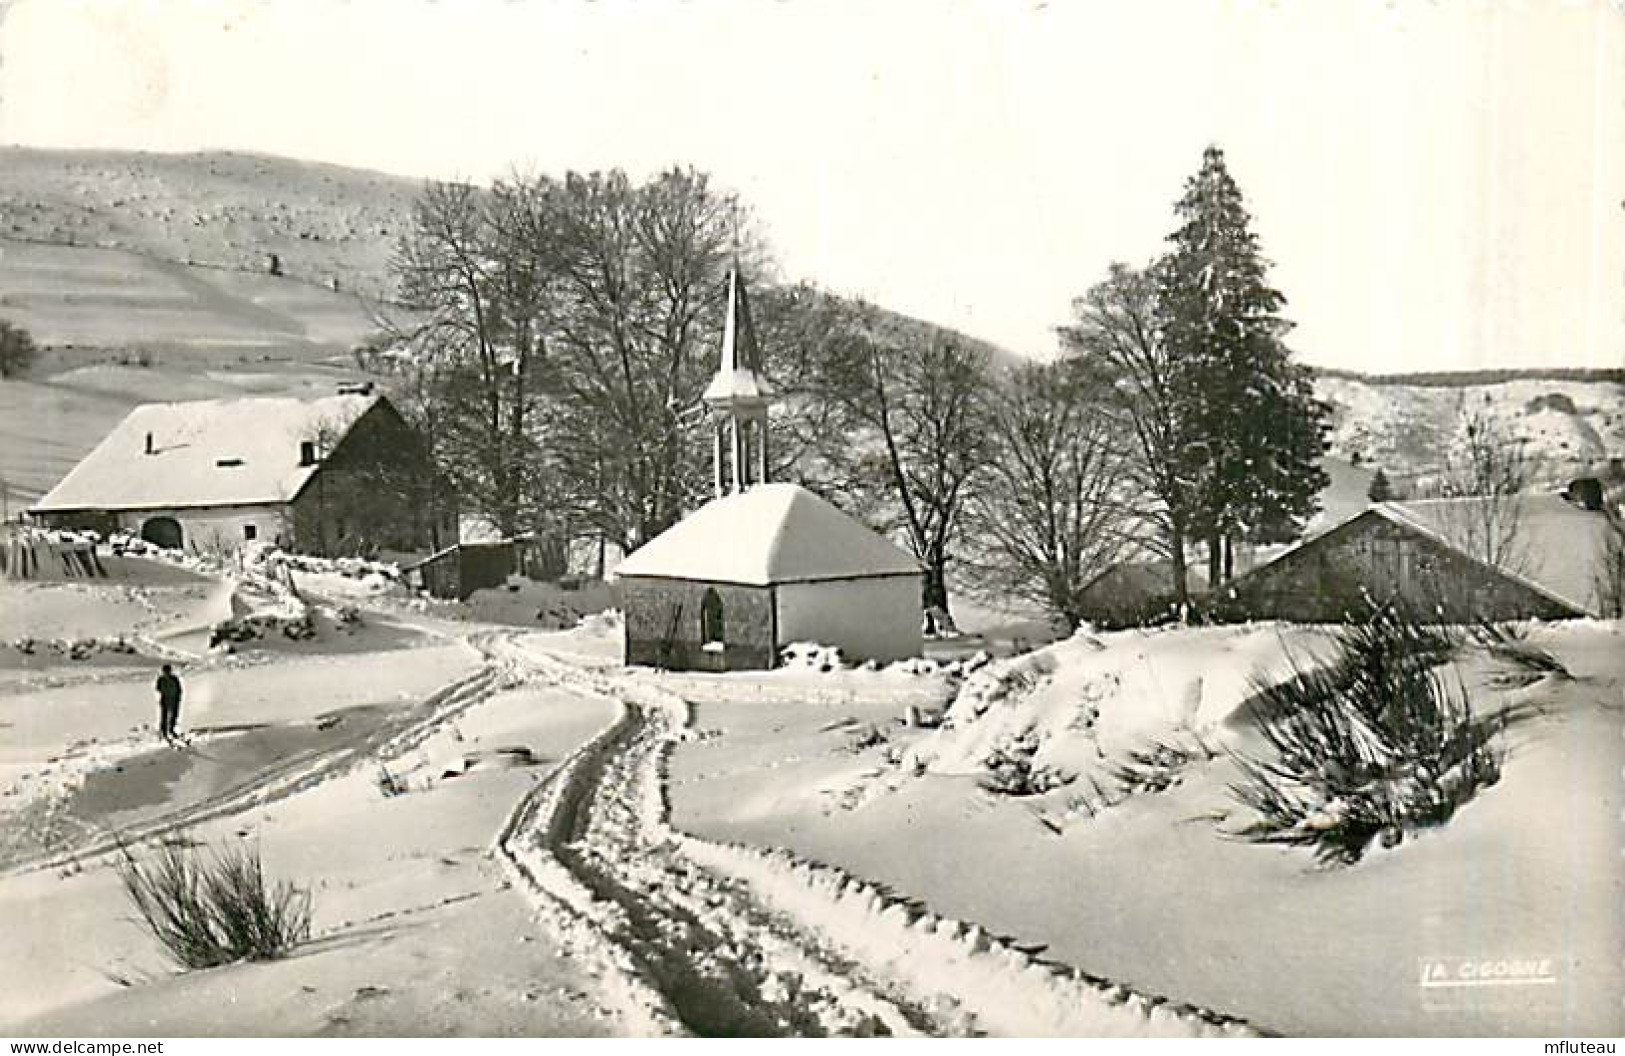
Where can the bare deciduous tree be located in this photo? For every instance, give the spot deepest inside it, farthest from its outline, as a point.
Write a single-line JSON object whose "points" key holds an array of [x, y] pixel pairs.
{"points": [[476, 281], [1489, 470], [1049, 517], [642, 269], [1115, 329], [914, 434]]}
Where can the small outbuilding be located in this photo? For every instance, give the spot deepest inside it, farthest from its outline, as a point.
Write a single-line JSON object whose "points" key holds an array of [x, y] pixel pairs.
{"points": [[762, 564]]}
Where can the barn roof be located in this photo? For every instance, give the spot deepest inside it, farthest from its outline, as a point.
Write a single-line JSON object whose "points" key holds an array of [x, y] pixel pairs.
{"points": [[771, 533], [206, 453], [1556, 546]]}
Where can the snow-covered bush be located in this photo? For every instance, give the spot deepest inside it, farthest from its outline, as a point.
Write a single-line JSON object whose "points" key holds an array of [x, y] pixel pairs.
{"points": [[990, 684], [1159, 767], [75, 648], [1012, 772], [1369, 744], [298, 628]]}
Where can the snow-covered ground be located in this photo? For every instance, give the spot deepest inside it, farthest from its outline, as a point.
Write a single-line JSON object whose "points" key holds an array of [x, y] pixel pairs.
{"points": [[507, 832], [1146, 887], [417, 930]]}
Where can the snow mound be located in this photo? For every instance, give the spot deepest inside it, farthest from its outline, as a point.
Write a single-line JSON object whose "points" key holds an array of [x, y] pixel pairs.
{"points": [[1077, 703], [812, 656], [552, 606]]}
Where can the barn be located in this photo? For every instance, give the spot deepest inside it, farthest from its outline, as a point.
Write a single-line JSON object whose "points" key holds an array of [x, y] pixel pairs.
{"points": [[762, 564], [339, 474], [1457, 560]]}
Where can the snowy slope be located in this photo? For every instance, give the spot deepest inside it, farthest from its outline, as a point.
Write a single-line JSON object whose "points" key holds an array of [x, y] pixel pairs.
{"points": [[1568, 425]]}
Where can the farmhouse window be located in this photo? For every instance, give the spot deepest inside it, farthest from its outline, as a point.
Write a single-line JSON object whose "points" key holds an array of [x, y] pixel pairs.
{"points": [[711, 625], [250, 532]]}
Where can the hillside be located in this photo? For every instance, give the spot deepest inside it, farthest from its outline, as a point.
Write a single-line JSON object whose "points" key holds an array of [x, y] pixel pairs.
{"points": [[1567, 427], [326, 223]]}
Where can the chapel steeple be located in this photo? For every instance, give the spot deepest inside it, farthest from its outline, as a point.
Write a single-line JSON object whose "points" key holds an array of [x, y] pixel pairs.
{"points": [[738, 398]]}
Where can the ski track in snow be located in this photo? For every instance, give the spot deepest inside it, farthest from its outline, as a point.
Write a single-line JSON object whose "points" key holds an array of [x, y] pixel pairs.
{"points": [[700, 937], [298, 773]]}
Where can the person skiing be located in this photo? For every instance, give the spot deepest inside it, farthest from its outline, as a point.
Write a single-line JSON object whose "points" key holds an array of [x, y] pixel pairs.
{"points": [[169, 702]]}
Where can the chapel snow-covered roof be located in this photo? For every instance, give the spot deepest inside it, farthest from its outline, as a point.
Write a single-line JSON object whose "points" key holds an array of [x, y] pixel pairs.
{"points": [[771, 533], [207, 453]]}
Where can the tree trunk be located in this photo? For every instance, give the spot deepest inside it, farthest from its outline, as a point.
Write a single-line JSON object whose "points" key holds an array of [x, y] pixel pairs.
{"points": [[1229, 559], [1176, 557], [934, 599], [1215, 559]]}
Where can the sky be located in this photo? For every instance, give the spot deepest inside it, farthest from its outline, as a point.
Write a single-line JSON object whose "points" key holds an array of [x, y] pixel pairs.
{"points": [[1440, 185]]}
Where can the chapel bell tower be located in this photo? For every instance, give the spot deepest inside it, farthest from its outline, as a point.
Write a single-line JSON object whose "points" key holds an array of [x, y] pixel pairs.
{"points": [[738, 398]]}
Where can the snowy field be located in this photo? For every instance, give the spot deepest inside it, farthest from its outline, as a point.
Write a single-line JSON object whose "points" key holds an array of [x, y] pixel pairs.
{"points": [[506, 832]]}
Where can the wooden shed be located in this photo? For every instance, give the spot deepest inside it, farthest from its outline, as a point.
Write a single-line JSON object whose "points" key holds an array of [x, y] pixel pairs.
{"points": [[1455, 560]]}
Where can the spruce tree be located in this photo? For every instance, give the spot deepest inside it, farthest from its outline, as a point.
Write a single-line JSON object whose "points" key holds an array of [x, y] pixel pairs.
{"points": [[1380, 490], [1255, 429]]}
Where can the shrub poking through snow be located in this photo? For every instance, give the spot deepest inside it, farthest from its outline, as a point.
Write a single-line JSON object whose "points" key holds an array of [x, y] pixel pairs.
{"points": [[301, 627], [866, 737], [1510, 644], [1159, 767], [390, 783], [1368, 746], [215, 908], [1010, 771]]}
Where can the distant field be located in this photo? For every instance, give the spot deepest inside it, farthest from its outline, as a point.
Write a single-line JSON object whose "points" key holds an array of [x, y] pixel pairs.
{"points": [[113, 299]]}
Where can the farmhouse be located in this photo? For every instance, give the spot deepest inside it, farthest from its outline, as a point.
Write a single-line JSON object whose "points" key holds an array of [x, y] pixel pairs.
{"points": [[1460, 560], [341, 474], [763, 564]]}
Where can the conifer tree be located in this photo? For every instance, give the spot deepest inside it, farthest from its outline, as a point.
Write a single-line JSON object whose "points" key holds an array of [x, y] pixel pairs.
{"points": [[1381, 490], [1255, 429]]}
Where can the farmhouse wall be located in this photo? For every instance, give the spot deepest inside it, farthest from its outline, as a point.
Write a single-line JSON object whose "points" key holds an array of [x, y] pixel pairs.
{"points": [[1331, 578], [376, 490], [663, 625], [213, 529]]}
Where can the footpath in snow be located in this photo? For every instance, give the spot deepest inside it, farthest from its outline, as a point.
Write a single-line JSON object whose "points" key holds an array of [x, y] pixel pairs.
{"points": [[716, 938]]}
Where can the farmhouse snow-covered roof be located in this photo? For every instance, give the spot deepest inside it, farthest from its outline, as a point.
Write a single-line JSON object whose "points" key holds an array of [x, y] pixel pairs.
{"points": [[1555, 546], [207, 453], [771, 533]]}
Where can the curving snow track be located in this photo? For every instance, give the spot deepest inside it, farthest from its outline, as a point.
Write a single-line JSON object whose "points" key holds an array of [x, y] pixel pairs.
{"points": [[717, 939]]}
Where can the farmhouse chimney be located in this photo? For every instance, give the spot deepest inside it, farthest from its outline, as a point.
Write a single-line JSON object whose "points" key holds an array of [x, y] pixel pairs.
{"points": [[1586, 493], [150, 449], [307, 452]]}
